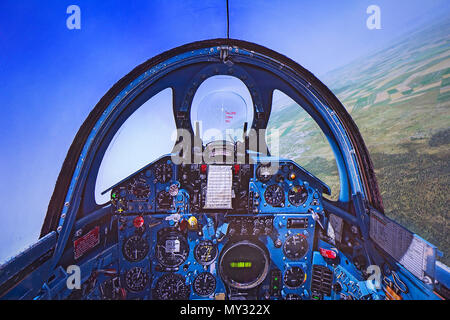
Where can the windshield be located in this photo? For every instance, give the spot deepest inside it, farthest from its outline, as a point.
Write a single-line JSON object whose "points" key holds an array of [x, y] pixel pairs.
{"points": [[145, 136], [292, 134]]}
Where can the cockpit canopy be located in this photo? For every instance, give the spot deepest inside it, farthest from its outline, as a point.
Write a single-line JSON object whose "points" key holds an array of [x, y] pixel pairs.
{"points": [[206, 101], [221, 113]]}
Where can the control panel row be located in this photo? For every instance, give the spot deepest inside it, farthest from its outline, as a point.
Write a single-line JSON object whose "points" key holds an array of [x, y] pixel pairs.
{"points": [[205, 257]]}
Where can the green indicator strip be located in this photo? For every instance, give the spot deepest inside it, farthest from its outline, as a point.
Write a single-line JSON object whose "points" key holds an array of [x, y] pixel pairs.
{"points": [[241, 264]]}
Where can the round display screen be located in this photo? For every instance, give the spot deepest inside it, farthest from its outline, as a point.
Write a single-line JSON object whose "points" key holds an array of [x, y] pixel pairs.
{"points": [[244, 265]]}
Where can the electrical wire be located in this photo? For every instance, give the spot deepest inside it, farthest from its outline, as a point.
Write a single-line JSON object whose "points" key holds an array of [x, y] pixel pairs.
{"points": [[403, 288]]}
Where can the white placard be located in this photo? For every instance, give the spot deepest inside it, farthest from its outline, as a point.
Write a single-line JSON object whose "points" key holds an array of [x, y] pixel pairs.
{"points": [[219, 187]]}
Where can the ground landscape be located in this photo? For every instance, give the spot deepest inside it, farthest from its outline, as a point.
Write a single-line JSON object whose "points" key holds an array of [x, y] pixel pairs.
{"points": [[400, 99]]}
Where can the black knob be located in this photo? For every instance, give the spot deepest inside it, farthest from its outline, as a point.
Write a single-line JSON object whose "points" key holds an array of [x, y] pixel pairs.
{"points": [[337, 287]]}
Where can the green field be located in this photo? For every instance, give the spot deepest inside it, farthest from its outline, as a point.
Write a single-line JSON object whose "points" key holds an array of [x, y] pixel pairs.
{"points": [[400, 99]]}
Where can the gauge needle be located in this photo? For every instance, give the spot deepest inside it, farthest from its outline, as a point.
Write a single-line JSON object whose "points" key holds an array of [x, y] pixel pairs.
{"points": [[208, 253]]}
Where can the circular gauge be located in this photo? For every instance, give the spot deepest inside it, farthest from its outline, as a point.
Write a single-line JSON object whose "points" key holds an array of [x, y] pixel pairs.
{"points": [[136, 279], [164, 200], [171, 286], [244, 265], [274, 195], [135, 248], [139, 188], [295, 247], [205, 252], [294, 277], [264, 173], [292, 296], [172, 248], [204, 284], [163, 172], [297, 195]]}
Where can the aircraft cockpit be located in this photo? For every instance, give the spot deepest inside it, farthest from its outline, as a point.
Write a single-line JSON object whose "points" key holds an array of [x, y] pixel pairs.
{"points": [[181, 184]]}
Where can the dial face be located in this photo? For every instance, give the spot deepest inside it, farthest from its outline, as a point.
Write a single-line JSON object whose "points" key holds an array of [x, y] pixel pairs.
{"points": [[244, 265], [204, 284], [135, 248], [297, 195], [164, 200], [163, 172], [274, 195], [172, 249], [294, 277], [295, 247], [205, 252], [264, 173], [136, 279], [171, 286], [139, 188]]}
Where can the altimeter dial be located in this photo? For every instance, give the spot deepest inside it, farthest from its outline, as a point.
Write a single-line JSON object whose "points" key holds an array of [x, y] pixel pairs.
{"points": [[274, 195], [163, 172], [171, 286], [294, 277], [297, 195], [205, 252], [135, 248], [136, 279], [295, 247], [204, 284], [140, 188]]}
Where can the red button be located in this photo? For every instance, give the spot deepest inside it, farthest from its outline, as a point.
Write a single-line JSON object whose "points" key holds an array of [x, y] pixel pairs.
{"points": [[330, 254], [138, 222]]}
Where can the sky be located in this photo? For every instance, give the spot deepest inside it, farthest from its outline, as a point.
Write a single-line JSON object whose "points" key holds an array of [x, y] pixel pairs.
{"points": [[51, 77]]}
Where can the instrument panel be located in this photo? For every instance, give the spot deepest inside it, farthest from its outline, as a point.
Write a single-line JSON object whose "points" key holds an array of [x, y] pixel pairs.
{"points": [[208, 231], [164, 187]]}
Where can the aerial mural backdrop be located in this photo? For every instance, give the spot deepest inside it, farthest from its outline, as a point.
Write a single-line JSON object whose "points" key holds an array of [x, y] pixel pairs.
{"points": [[399, 97]]}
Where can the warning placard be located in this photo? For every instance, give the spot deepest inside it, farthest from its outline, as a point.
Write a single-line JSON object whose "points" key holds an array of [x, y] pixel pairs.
{"points": [[86, 242]]}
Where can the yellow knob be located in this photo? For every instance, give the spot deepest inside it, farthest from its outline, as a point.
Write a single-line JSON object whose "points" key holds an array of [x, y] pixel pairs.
{"points": [[193, 223]]}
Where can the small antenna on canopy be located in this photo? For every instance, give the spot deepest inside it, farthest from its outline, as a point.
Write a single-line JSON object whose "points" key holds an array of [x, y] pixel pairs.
{"points": [[228, 20]]}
